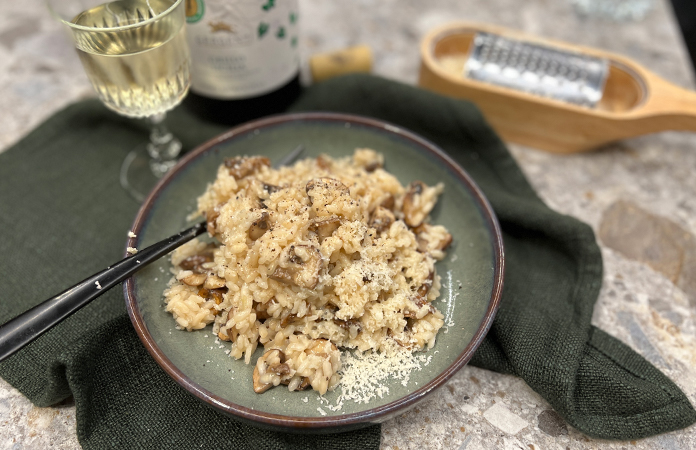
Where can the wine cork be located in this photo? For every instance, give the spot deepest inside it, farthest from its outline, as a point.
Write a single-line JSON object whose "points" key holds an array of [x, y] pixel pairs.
{"points": [[350, 60]]}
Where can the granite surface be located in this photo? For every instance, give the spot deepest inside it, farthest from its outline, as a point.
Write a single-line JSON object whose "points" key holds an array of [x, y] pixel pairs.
{"points": [[646, 185]]}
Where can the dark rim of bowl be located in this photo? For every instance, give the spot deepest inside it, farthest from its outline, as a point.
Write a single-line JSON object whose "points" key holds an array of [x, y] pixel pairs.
{"points": [[371, 415]]}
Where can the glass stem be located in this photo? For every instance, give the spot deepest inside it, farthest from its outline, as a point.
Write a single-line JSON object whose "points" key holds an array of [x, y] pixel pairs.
{"points": [[163, 147]]}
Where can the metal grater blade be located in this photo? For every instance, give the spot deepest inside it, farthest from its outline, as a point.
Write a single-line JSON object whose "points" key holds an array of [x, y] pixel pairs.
{"points": [[537, 69]]}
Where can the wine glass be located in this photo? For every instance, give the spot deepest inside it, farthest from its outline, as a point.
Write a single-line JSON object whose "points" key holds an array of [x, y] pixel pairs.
{"points": [[136, 57]]}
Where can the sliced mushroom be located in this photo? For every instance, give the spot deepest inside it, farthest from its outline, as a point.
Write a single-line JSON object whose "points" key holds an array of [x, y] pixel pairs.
{"points": [[242, 166], [412, 209], [425, 246], [262, 314], [421, 241], [325, 190], [388, 202], [223, 336], [212, 294], [374, 165], [286, 320], [261, 310], [381, 219], [441, 241], [419, 302], [325, 228], [422, 244], [427, 284], [195, 279], [410, 314], [270, 365], [405, 344], [195, 263], [259, 387], [284, 275], [260, 204], [420, 229], [304, 384], [297, 383], [299, 265], [323, 163], [259, 226], [318, 348], [272, 354], [229, 334], [270, 188], [210, 219], [214, 282], [445, 242], [281, 369]]}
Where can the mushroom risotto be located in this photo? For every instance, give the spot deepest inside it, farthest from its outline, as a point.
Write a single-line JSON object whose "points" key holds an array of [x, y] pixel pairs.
{"points": [[310, 259]]}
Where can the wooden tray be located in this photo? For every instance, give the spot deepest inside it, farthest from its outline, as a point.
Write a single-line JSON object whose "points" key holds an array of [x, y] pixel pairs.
{"points": [[635, 101]]}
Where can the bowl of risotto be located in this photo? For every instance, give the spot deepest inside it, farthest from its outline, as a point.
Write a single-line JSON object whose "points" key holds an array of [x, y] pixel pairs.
{"points": [[329, 293]]}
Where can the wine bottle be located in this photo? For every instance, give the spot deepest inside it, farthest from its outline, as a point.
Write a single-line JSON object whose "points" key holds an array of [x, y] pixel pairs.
{"points": [[245, 58]]}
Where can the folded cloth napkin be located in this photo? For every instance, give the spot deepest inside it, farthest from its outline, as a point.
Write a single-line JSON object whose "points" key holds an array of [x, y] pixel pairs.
{"points": [[64, 216]]}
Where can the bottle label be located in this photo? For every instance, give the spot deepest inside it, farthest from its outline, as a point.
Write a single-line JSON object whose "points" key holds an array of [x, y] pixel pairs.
{"points": [[242, 48]]}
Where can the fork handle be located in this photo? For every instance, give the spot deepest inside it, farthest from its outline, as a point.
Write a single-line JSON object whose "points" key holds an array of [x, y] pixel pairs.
{"points": [[31, 324]]}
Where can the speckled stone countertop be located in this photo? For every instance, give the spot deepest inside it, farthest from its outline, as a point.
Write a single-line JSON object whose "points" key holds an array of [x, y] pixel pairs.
{"points": [[645, 185]]}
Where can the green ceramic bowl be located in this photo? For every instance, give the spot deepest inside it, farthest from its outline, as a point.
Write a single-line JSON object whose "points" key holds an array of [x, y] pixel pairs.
{"points": [[472, 272]]}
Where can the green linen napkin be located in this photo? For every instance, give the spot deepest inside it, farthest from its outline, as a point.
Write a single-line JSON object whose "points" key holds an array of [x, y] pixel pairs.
{"points": [[64, 216]]}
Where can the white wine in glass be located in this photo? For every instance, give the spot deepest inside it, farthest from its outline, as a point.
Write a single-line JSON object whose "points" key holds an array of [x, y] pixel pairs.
{"points": [[136, 56]]}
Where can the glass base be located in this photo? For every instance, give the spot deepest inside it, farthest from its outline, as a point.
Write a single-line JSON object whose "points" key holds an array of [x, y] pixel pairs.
{"points": [[138, 172]]}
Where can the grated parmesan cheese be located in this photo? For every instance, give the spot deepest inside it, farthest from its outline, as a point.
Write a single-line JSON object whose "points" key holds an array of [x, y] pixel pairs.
{"points": [[366, 376]]}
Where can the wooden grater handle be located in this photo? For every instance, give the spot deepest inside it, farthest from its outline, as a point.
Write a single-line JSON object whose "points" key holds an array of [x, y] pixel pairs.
{"points": [[666, 107]]}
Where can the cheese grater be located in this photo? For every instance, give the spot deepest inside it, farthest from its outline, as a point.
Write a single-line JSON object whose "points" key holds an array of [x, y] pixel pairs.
{"points": [[537, 69], [548, 94]]}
